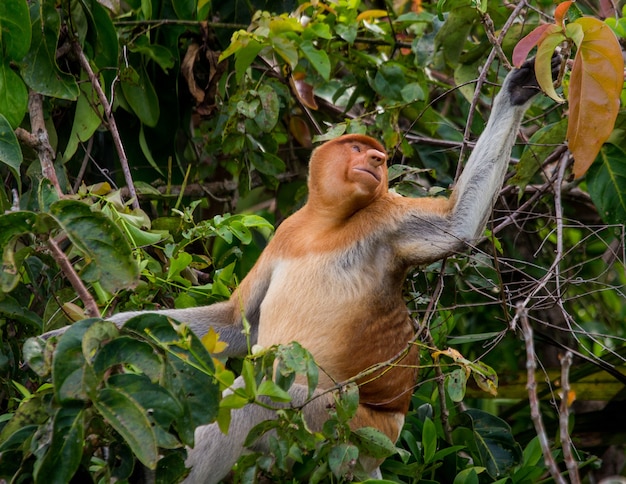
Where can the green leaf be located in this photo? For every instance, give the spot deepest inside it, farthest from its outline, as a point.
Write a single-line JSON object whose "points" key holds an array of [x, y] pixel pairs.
{"points": [[158, 53], [348, 402], [10, 151], [247, 53], [129, 419], [15, 34], [39, 67], [163, 407], [285, 48], [456, 382], [498, 451], [73, 378], [541, 144], [267, 117], [543, 63], [189, 371], [270, 389], [267, 163], [341, 459], [87, 118], [141, 95], [318, 58], [606, 182], [13, 98], [185, 9], [389, 81], [66, 449], [429, 440], [12, 226], [373, 442], [108, 253], [130, 351]]}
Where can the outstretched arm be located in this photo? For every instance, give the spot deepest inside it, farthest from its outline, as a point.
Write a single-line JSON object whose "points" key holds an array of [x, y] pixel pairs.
{"points": [[435, 228], [226, 317]]}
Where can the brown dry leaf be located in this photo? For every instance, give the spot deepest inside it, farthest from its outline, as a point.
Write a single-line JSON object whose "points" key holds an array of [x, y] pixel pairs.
{"points": [[303, 90], [595, 86]]}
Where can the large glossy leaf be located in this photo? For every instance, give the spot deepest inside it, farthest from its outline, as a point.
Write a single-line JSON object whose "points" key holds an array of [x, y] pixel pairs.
{"points": [[13, 95], [10, 151], [606, 182], [141, 95], [109, 256], [87, 118], [130, 420], [594, 93], [39, 67], [73, 378], [189, 372], [15, 31], [492, 437], [127, 350], [317, 57], [66, 449]]}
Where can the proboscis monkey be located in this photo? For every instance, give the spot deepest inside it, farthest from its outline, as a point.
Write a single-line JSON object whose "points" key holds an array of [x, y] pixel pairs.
{"points": [[331, 278]]}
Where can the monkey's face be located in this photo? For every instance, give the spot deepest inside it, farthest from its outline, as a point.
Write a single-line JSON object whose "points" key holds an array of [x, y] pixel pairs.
{"points": [[348, 173]]}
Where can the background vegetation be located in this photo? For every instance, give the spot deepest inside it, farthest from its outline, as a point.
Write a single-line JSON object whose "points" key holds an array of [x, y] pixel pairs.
{"points": [[148, 147]]}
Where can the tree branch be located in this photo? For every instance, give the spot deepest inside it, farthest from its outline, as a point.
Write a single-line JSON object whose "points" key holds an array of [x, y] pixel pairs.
{"points": [[39, 140], [110, 120], [91, 308]]}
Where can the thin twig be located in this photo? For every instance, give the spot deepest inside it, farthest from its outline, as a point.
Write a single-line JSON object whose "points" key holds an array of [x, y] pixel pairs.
{"points": [[42, 144], [91, 308], [531, 386], [566, 440], [117, 140]]}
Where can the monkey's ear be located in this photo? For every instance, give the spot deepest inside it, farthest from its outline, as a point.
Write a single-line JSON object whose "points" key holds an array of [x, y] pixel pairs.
{"points": [[522, 82]]}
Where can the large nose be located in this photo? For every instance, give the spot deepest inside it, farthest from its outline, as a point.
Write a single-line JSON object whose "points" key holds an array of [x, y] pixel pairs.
{"points": [[375, 158]]}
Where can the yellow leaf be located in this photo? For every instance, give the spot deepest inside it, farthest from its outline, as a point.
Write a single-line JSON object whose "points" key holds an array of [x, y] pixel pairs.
{"points": [[543, 63], [595, 86], [370, 14], [211, 342]]}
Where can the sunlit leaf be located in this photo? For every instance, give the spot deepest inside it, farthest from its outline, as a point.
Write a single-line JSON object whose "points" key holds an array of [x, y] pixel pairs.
{"points": [[102, 242], [560, 11], [543, 63], [594, 92]]}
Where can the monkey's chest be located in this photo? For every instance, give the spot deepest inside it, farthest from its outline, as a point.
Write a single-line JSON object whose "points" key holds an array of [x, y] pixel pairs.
{"points": [[335, 305]]}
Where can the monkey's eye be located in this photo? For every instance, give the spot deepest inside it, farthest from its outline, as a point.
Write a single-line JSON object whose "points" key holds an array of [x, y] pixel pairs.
{"points": [[356, 148]]}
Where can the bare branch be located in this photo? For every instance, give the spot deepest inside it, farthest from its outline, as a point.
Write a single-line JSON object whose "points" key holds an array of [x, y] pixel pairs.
{"points": [[91, 308], [531, 386], [40, 141], [110, 119]]}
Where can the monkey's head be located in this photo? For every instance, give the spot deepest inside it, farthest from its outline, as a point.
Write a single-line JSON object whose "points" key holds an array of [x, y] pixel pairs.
{"points": [[347, 173]]}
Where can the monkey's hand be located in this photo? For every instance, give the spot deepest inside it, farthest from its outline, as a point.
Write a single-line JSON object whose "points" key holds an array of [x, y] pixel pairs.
{"points": [[522, 83]]}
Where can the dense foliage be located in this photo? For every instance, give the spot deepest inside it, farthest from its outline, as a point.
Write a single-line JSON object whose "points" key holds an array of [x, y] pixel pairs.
{"points": [[147, 149]]}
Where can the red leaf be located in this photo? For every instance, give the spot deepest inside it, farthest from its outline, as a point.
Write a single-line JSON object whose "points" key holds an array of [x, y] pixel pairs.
{"points": [[595, 86], [524, 46], [560, 11]]}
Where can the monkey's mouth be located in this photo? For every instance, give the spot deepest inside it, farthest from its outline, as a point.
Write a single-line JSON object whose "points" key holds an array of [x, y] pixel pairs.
{"points": [[370, 172]]}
